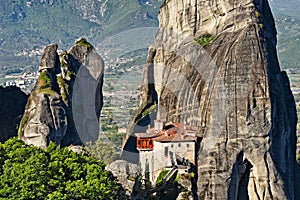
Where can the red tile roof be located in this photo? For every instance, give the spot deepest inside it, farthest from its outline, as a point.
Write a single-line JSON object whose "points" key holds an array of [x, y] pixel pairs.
{"points": [[175, 132]]}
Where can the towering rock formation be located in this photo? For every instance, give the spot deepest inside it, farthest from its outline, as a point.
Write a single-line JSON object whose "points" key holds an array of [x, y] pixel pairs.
{"points": [[65, 104], [12, 105], [214, 65]]}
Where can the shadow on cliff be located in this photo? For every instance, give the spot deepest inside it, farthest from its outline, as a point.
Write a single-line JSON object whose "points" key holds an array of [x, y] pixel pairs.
{"points": [[12, 106], [83, 120], [239, 179], [130, 153], [283, 137], [142, 118]]}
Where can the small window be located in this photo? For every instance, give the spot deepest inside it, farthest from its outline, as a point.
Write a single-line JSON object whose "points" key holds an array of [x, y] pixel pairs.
{"points": [[179, 145], [187, 145], [166, 151], [172, 145]]}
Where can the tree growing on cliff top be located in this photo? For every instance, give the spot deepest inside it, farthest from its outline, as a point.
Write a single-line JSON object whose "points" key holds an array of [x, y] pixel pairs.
{"points": [[28, 172]]}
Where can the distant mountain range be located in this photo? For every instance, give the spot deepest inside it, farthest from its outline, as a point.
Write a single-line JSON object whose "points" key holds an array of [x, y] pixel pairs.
{"points": [[27, 26]]}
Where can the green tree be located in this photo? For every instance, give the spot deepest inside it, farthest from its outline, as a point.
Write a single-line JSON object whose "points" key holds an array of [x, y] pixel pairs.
{"points": [[28, 172]]}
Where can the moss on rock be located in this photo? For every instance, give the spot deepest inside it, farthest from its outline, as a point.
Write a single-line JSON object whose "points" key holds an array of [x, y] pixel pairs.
{"points": [[83, 42], [64, 88], [205, 39], [44, 83]]}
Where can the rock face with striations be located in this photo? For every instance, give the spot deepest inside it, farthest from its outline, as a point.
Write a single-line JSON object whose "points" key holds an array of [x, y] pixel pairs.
{"points": [[214, 65], [65, 103]]}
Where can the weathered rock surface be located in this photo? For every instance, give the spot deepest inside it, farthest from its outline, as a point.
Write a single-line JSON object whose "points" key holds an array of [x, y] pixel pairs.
{"points": [[232, 89], [126, 173], [65, 104], [12, 105], [50, 59]]}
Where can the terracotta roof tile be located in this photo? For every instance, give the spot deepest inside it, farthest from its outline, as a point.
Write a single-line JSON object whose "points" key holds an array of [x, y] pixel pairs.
{"points": [[175, 133]]}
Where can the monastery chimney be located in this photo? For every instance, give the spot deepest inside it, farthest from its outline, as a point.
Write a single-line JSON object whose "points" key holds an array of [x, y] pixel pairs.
{"points": [[158, 125]]}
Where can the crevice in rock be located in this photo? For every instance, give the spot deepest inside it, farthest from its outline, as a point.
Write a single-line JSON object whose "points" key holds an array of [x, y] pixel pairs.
{"points": [[195, 18], [239, 178], [255, 187], [268, 174], [195, 170]]}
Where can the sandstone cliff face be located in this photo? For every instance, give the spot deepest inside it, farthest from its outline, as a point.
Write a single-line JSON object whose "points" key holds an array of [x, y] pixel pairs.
{"points": [[232, 89], [12, 105], [65, 103]]}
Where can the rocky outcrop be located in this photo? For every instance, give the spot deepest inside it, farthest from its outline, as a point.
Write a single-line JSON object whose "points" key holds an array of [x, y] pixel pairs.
{"points": [[65, 104], [12, 105], [126, 172], [214, 65]]}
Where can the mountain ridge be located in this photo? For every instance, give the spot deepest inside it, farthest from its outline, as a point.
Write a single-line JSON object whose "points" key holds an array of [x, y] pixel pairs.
{"points": [[22, 40], [23, 24]]}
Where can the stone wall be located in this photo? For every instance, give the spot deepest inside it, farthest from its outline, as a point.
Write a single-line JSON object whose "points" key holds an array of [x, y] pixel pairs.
{"points": [[164, 155]]}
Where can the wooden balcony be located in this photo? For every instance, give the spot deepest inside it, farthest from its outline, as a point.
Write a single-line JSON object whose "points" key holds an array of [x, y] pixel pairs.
{"points": [[145, 144]]}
